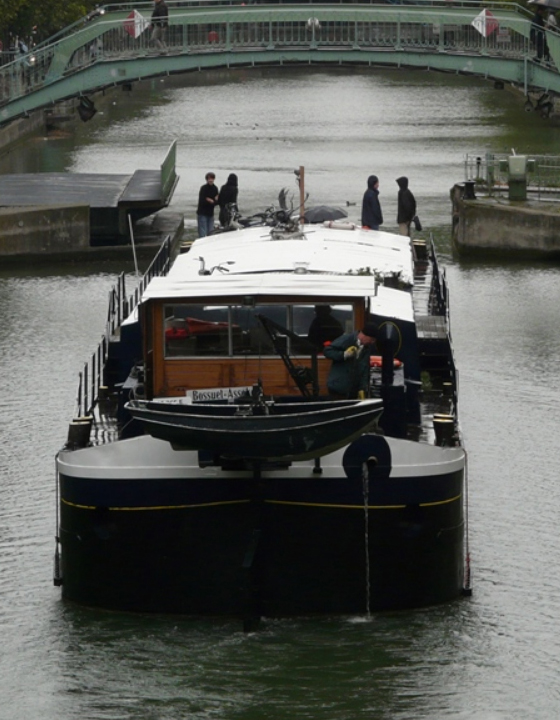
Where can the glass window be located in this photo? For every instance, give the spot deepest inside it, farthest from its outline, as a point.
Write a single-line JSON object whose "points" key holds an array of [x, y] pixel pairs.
{"points": [[222, 330], [252, 337], [196, 330], [323, 323]]}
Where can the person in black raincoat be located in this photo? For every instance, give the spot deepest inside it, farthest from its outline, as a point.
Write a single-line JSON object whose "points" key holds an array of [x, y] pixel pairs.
{"points": [[372, 217], [406, 206], [228, 195]]}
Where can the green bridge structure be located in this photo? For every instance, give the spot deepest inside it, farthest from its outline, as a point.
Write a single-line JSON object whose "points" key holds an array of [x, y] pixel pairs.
{"points": [[112, 46]]}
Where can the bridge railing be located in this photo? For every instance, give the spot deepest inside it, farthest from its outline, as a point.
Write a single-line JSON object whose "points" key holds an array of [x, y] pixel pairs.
{"points": [[218, 26]]}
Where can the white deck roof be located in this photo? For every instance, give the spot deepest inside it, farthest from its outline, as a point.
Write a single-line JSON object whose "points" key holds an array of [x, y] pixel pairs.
{"points": [[324, 263]]}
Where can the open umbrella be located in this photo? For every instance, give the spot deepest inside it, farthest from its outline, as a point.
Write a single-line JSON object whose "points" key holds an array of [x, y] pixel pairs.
{"points": [[320, 213]]}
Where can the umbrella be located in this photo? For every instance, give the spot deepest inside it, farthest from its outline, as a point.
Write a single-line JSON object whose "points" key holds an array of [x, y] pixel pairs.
{"points": [[320, 213], [551, 4]]}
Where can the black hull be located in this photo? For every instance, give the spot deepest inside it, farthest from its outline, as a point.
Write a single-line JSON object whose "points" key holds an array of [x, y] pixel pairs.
{"points": [[276, 555]]}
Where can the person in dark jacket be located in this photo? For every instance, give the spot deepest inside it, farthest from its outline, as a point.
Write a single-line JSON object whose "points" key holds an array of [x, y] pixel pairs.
{"points": [[349, 374], [324, 327], [406, 206], [207, 201], [228, 195], [159, 22], [372, 217], [538, 35]]}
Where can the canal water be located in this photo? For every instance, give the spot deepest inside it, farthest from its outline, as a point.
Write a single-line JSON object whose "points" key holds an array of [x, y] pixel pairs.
{"points": [[493, 656]]}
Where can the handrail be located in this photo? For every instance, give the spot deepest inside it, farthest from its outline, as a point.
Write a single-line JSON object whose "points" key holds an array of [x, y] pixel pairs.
{"points": [[91, 378], [440, 306], [92, 52], [489, 174]]}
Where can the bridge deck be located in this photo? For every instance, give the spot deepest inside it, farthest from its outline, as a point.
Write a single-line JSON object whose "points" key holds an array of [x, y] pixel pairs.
{"points": [[490, 39]]}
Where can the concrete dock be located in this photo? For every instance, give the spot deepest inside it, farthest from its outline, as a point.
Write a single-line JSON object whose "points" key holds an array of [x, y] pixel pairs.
{"points": [[110, 198], [67, 215], [509, 228], [60, 234]]}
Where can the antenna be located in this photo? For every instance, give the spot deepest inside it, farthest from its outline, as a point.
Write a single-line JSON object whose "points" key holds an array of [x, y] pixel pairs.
{"points": [[301, 182], [133, 246]]}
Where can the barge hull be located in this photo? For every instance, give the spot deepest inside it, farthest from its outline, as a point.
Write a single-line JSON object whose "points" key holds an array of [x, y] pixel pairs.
{"points": [[274, 546]]}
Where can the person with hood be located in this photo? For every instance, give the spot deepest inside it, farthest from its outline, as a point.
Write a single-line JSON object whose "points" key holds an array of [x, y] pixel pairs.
{"points": [[349, 374], [406, 206], [228, 194], [372, 217]]}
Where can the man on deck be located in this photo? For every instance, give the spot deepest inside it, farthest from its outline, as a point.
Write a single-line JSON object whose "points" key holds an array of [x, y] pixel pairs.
{"points": [[350, 353]]}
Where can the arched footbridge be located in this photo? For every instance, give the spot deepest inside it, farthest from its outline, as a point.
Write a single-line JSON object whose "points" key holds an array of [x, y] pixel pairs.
{"points": [[492, 41]]}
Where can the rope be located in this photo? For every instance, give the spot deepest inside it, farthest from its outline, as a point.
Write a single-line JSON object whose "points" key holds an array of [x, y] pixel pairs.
{"points": [[467, 584], [57, 578]]}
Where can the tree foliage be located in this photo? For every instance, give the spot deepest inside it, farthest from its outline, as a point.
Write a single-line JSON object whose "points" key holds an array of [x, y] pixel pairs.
{"points": [[40, 20]]}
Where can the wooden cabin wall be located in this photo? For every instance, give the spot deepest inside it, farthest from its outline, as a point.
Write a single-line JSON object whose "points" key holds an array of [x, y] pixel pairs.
{"points": [[175, 376]]}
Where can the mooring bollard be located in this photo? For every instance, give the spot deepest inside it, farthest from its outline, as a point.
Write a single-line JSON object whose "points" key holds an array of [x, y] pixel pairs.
{"points": [[444, 428], [79, 431]]}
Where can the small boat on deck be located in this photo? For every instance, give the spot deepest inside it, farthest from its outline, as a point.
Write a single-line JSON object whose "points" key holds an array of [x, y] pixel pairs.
{"points": [[210, 472], [259, 430]]}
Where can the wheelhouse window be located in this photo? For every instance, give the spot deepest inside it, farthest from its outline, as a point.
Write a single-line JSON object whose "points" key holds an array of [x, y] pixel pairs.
{"points": [[247, 329]]}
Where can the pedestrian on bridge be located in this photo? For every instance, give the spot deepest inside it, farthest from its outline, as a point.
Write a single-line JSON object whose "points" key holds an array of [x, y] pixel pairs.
{"points": [[406, 206], [160, 21], [372, 217], [537, 35], [207, 201]]}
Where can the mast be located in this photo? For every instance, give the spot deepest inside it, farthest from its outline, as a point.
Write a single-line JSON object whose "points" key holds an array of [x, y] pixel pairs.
{"points": [[301, 181]]}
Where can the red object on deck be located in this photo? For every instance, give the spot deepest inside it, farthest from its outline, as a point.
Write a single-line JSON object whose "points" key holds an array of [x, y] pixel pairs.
{"points": [[195, 327], [377, 361]]}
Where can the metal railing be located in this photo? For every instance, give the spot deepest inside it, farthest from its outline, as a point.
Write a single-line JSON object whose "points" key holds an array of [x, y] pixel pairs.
{"points": [[439, 294], [120, 307], [210, 28], [440, 306], [490, 174]]}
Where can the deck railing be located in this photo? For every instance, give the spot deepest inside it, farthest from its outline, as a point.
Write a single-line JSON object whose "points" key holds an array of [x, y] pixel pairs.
{"points": [[440, 305], [120, 307]]}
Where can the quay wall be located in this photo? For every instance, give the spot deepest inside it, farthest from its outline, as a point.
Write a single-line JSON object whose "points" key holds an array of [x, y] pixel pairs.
{"points": [[498, 226], [22, 128], [43, 230], [62, 114]]}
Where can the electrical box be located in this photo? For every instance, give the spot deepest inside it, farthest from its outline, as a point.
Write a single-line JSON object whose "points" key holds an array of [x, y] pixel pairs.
{"points": [[517, 167]]}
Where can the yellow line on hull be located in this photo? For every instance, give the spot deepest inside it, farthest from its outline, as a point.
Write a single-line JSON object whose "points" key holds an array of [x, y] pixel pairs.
{"points": [[270, 502]]}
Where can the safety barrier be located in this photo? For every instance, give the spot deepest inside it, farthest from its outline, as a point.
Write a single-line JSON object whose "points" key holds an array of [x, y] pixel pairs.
{"points": [[493, 40]]}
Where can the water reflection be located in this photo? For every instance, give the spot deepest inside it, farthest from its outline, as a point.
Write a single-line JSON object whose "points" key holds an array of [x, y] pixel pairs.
{"points": [[493, 656]]}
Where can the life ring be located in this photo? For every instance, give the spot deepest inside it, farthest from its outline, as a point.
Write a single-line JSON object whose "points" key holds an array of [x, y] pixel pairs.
{"points": [[376, 361]]}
